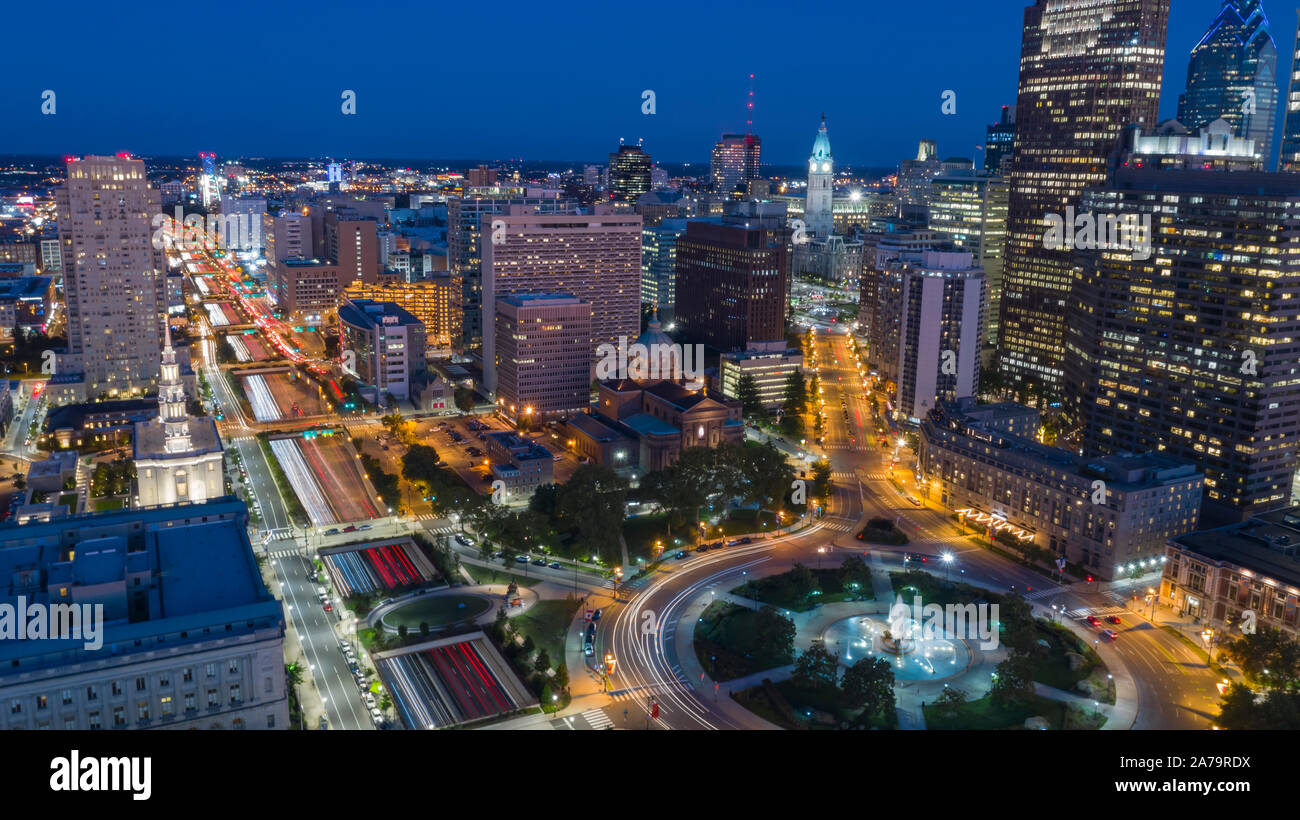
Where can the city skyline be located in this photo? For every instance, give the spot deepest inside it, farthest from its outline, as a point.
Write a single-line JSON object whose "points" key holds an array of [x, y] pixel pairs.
{"points": [[694, 105]]}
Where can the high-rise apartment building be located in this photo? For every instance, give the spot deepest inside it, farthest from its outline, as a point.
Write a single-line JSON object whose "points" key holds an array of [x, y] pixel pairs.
{"points": [[733, 277], [353, 245], [388, 347], [736, 158], [467, 218], [969, 210], [543, 354], [940, 305], [1232, 75], [659, 263], [1088, 68], [428, 300], [595, 258], [1188, 343], [112, 274], [629, 175]]}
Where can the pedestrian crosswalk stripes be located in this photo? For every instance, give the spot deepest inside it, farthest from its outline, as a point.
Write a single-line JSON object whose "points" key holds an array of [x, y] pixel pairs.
{"points": [[289, 553], [597, 719]]}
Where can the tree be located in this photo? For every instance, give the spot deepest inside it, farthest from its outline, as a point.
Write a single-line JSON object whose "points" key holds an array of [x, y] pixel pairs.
{"points": [[420, 465], [817, 667], [853, 570], [795, 399], [1242, 708], [822, 480], [561, 677], [869, 685], [1268, 658], [424, 628], [545, 500], [1014, 681], [464, 399], [767, 475], [949, 699], [401, 631], [542, 662], [750, 401], [593, 503], [1019, 631]]}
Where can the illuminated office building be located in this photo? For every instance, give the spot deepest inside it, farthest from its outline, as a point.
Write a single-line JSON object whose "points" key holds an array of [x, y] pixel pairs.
{"points": [[1088, 68], [1232, 75]]}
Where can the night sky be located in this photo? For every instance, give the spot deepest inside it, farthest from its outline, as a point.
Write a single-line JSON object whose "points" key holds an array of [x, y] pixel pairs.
{"points": [[556, 81]]}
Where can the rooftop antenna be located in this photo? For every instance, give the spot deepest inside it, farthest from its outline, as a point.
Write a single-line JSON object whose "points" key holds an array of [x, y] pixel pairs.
{"points": [[749, 109]]}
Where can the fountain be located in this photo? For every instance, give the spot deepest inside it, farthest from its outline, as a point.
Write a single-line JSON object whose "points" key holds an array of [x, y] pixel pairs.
{"points": [[915, 652]]}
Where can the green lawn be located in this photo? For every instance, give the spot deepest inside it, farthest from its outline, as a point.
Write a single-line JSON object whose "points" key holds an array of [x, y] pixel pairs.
{"points": [[983, 715], [109, 504], [1053, 669], [547, 623], [436, 611], [775, 590], [721, 634], [69, 500], [805, 703], [486, 575]]}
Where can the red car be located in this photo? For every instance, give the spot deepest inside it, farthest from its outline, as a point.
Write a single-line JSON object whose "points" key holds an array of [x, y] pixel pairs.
{"points": [[1092, 620], [329, 607], [1113, 619]]}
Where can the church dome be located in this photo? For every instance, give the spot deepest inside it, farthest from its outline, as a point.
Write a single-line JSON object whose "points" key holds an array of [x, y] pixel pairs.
{"points": [[654, 332]]}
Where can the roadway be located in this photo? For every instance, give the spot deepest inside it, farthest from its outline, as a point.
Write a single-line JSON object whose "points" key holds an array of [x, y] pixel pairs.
{"points": [[1175, 689]]}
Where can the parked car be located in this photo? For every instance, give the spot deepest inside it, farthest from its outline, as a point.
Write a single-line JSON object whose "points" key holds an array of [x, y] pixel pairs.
{"points": [[350, 528], [521, 559], [747, 540], [539, 562], [595, 616], [367, 527], [555, 565], [588, 650], [332, 531], [681, 554]]}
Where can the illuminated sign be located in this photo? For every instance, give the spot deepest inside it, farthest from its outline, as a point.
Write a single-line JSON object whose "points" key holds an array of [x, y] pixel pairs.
{"points": [[996, 523]]}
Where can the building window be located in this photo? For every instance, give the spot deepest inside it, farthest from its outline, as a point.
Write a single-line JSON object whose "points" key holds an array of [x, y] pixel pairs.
{"points": [[139, 684], [212, 697], [119, 716], [166, 706], [188, 674], [189, 701], [234, 693], [92, 693], [211, 670], [117, 687], [142, 710], [67, 696], [92, 720]]}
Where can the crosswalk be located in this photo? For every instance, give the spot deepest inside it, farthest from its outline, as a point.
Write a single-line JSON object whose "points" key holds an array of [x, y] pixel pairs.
{"points": [[242, 438], [838, 525], [1085, 611], [1042, 592], [842, 476], [443, 530], [597, 719], [286, 553]]}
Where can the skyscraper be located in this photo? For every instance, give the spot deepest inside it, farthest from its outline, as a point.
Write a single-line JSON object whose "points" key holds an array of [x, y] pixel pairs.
{"points": [[1232, 75], [818, 213], [112, 274], [1087, 69], [467, 218], [733, 277], [969, 209], [629, 174], [595, 258], [1191, 346], [1289, 159], [735, 159], [999, 140]]}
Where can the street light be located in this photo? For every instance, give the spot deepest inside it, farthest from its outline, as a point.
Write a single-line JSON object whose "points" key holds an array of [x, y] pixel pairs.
{"points": [[947, 564]]}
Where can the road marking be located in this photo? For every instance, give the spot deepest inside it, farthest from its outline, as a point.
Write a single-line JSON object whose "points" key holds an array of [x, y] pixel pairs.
{"points": [[597, 719]]}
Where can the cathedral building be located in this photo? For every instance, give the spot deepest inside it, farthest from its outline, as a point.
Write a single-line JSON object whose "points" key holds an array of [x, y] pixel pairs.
{"points": [[177, 458]]}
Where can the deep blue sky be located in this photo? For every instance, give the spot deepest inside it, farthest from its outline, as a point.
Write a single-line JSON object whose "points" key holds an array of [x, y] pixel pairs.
{"points": [[525, 79]]}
